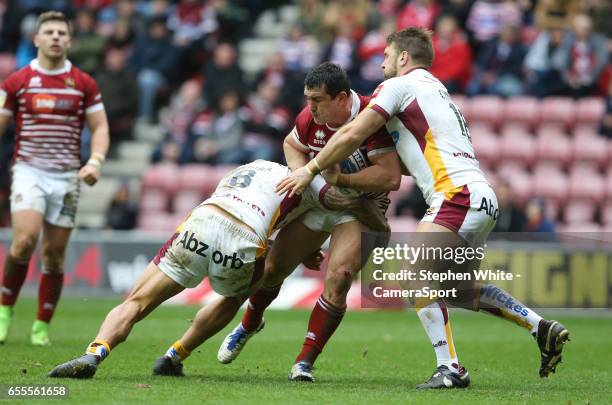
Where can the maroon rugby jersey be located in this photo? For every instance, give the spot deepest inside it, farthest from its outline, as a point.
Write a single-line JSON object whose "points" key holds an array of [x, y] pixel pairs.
{"points": [[49, 108], [308, 134]]}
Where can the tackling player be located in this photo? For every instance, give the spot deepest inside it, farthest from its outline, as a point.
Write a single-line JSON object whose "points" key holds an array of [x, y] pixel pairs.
{"points": [[373, 168], [225, 239], [433, 141], [50, 100]]}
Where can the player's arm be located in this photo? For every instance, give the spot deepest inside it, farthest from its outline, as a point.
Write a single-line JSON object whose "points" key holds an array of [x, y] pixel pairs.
{"points": [[100, 140], [295, 154], [342, 144], [384, 175]]}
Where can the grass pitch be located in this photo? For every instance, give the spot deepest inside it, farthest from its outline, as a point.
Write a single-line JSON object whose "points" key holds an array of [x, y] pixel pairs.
{"points": [[374, 357]]}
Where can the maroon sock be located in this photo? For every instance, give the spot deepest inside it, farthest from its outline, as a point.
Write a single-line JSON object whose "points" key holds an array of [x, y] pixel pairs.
{"points": [[258, 303], [322, 324], [49, 292], [15, 272]]}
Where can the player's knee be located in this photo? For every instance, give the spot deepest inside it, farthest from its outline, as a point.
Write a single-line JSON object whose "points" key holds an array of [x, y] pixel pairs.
{"points": [[53, 262], [337, 284], [23, 246], [273, 273]]}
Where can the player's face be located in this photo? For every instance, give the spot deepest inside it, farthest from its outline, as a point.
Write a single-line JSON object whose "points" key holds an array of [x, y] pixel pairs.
{"points": [[53, 39], [324, 108], [389, 65]]}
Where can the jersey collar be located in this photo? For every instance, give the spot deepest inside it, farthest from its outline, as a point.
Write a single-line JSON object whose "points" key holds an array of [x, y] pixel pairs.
{"points": [[355, 104], [35, 65], [415, 68]]}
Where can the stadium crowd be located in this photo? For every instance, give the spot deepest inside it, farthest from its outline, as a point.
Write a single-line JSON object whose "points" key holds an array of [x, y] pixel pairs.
{"points": [[176, 64]]}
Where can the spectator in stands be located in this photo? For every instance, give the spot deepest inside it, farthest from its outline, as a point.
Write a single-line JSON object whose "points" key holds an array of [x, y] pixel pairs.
{"points": [[217, 137], [537, 221], [555, 13], [605, 128], [265, 120], [176, 121], [154, 59], [586, 57], [300, 52], [122, 38], [343, 51], [351, 15], [487, 17], [289, 82], [222, 74], [511, 216], [418, 13], [94, 5], [453, 62], [122, 11], [370, 52], [499, 67], [120, 93], [545, 62], [190, 23], [87, 46], [122, 212], [459, 8], [26, 51], [312, 13]]}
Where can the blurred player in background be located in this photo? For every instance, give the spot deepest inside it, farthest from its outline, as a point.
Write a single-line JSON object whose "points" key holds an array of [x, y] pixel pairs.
{"points": [[225, 239], [433, 141], [51, 100], [373, 168]]}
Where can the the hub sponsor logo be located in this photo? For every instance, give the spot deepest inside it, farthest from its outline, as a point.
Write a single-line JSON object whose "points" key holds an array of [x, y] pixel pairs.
{"points": [[191, 243], [498, 295], [488, 207]]}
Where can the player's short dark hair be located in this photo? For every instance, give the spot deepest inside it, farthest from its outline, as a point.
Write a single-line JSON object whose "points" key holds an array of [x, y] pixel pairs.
{"points": [[417, 42], [330, 75], [52, 16]]}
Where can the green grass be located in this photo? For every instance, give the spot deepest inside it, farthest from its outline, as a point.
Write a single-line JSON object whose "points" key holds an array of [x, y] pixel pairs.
{"points": [[375, 358]]}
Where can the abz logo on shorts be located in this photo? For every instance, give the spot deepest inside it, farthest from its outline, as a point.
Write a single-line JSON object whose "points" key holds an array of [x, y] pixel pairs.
{"points": [[191, 243]]}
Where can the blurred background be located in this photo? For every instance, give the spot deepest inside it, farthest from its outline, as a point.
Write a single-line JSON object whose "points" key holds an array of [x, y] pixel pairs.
{"points": [[195, 87]]}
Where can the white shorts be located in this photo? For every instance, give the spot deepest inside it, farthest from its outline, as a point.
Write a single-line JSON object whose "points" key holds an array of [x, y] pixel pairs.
{"points": [[471, 213], [53, 194], [211, 245], [323, 220]]}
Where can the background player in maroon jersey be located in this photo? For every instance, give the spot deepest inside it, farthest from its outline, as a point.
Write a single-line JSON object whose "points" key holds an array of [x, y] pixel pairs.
{"points": [[50, 100], [373, 168]]}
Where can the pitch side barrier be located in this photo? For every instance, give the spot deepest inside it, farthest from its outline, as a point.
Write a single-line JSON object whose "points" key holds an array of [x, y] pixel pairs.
{"points": [[540, 270]]}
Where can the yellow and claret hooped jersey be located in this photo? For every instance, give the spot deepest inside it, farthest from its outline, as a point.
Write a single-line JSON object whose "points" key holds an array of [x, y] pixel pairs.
{"points": [[430, 134], [248, 193]]}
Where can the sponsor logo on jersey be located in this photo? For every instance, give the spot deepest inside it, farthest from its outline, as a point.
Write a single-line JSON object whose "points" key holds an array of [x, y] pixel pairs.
{"points": [[43, 103], [35, 81], [64, 104], [191, 243], [319, 137]]}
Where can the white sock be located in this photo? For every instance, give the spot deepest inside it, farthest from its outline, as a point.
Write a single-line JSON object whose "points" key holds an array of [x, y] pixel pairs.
{"points": [[500, 303], [434, 318]]}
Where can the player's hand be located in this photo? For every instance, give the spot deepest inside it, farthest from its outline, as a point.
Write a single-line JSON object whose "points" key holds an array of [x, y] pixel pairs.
{"points": [[295, 183], [331, 175], [313, 262], [335, 199], [89, 174]]}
